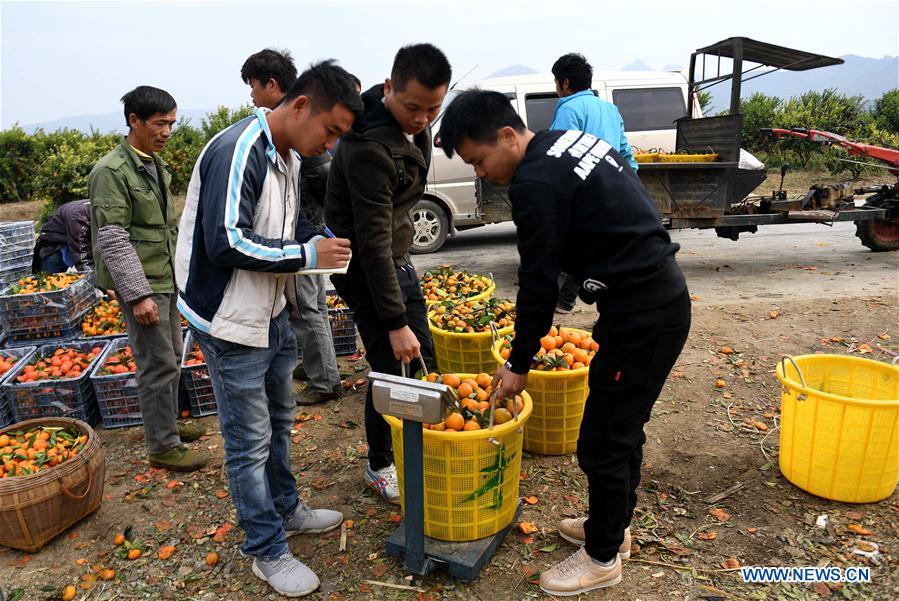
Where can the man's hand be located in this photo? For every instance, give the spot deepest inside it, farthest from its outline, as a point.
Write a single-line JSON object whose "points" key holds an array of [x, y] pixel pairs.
{"points": [[508, 383], [333, 253], [145, 312], [405, 345], [111, 294]]}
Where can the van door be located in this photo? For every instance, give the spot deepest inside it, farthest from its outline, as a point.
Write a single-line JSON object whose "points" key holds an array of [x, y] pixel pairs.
{"points": [[650, 115]]}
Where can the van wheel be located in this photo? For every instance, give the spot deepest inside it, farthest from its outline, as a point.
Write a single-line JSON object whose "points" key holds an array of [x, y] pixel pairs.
{"points": [[430, 227]]}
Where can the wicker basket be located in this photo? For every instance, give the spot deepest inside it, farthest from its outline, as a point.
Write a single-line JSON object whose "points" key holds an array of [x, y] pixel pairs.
{"points": [[35, 508]]}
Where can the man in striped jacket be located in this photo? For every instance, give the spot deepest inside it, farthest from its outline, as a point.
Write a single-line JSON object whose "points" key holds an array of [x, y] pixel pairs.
{"points": [[241, 234]]}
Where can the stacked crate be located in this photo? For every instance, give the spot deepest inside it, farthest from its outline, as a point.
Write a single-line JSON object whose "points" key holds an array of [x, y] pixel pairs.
{"points": [[45, 317], [195, 379], [16, 250], [343, 326]]}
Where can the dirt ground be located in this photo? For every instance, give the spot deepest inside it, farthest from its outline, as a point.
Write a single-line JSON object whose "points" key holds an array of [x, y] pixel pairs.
{"points": [[701, 441]]}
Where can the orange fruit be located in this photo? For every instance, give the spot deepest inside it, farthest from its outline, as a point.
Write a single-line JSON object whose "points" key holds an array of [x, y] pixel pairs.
{"points": [[465, 390], [119, 540], [107, 574], [568, 347], [471, 425], [438, 427], [455, 421], [451, 380], [68, 593], [133, 553], [501, 416], [548, 343], [212, 558], [483, 380]]}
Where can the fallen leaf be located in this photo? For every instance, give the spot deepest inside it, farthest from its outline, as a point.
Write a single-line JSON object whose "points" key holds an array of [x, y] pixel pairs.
{"points": [[864, 349], [532, 500], [719, 383], [768, 414], [858, 529], [172, 484], [527, 527], [166, 551], [162, 525], [221, 494], [730, 563], [81, 561], [395, 518], [773, 314], [707, 535], [760, 426], [720, 514], [853, 515], [694, 298], [752, 530], [222, 532], [820, 589], [528, 540], [837, 339], [727, 395], [380, 569], [349, 524], [883, 336], [726, 350]]}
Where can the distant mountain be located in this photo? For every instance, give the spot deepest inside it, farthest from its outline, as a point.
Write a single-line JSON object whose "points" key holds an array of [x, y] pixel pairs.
{"points": [[637, 65], [513, 70], [105, 122]]}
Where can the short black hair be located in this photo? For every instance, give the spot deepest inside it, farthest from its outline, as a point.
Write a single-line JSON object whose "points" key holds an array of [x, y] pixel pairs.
{"points": [[326, 84], [356, 81], [270, 64], [146, 101], [575, 68], [477, 115], [425, 63]]}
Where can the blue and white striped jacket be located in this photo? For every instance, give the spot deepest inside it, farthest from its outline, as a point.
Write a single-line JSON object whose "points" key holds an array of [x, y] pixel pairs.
{"points": [[239, 234]]}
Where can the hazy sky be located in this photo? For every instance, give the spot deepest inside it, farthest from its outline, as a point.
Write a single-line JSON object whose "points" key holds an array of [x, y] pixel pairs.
{"points": [[73, 58]]}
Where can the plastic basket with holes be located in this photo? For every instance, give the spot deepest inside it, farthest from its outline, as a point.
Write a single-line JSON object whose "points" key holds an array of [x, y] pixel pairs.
{"points": [[117, 394], [196, 380]]}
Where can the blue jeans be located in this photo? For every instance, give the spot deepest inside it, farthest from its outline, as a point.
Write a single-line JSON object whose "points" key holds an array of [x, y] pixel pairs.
{"points": [[256, 408]]}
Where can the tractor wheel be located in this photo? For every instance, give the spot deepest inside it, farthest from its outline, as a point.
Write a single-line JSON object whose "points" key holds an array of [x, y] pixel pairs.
{"points": [[880, 235]]}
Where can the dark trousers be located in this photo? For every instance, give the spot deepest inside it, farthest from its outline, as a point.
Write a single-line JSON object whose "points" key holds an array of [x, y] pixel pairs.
{"points": [[636, 354], [353, 289], [568, 292]]}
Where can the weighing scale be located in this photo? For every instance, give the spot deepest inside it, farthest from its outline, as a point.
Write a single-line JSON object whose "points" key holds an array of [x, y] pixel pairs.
{"points": [[416, 402]]}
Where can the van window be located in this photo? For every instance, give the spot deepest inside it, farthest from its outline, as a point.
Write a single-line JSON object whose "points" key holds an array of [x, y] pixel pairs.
{"points": [[539, 109], [650, 108]]}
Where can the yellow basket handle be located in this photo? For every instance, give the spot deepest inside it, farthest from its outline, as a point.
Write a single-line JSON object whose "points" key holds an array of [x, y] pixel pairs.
{"points": [[494, 333], [783, 366]]}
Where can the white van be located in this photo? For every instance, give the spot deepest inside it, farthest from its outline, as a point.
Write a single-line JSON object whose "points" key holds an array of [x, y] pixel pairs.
{"points": [[649, 101]]}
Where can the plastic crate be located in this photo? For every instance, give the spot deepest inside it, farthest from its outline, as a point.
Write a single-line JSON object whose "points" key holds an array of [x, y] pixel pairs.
{"points": [[197, 383], [45, 317], [343, 331], [22, 353], [14, 274], [16, 244], [73, 398], [117, 394]]}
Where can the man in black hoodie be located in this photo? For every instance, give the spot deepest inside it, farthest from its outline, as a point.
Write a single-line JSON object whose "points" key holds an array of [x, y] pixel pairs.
{"points": [[377, 174], [579, 209]]}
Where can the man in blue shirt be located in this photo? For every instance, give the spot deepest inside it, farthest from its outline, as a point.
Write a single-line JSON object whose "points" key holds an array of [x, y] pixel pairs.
{"points": [[581, 110]]}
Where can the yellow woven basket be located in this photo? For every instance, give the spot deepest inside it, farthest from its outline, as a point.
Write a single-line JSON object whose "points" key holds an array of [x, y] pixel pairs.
{"points": [[559, 397], [470, 482], [839, 429], [464, 353]]}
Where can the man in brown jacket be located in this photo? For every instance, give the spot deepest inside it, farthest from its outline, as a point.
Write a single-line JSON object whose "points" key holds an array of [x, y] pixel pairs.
{"points": [[377, 174]]}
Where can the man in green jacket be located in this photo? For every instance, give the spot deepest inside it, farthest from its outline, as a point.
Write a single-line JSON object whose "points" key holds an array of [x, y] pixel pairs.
{"points": [[134, 227], [377, 175]]}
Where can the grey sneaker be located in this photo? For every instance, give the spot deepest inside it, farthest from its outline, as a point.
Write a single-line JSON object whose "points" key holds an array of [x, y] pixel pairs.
{"points": [[312, 521], [287, 575]]}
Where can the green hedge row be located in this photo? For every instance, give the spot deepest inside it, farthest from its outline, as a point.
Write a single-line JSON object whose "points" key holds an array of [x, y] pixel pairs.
{"points": [[54, 166]]}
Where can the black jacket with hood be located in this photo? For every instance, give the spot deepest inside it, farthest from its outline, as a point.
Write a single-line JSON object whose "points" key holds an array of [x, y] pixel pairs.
{"points": [[377, 175]]}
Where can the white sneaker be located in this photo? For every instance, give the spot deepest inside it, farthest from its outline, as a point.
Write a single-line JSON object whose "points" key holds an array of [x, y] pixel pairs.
{"points": [[312, 521], [287, 575], [383, 482]]}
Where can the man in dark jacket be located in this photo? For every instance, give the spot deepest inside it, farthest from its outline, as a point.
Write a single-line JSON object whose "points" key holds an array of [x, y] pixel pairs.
{"points": [[579, 209], [65, 239], [378, 173]]}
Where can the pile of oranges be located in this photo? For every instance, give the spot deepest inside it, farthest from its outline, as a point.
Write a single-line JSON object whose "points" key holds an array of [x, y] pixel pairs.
{"points": [[105, 320], [45, 282], [62, 364], [561, 349], [475, 406], [473, 316], [448, 284], [23, 453], [120, 362], [195, 357], [6, 363], [335, 302]]}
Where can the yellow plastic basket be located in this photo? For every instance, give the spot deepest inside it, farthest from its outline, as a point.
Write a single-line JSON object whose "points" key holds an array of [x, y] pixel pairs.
{"points": [[487, 293], [647, 157], [559, 397], [839, 429], [687, 158], [470, 482], [464, 353]]}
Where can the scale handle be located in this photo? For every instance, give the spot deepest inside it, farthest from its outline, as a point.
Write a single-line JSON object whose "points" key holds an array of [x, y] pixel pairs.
{"points": [[405, 369]]}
